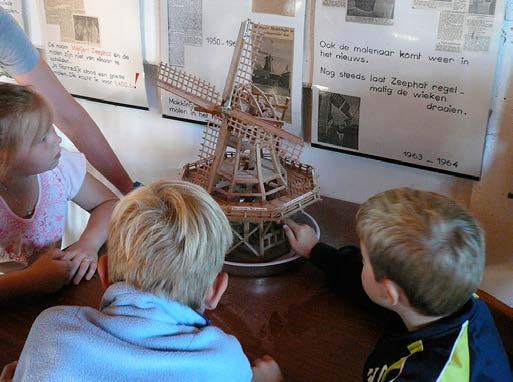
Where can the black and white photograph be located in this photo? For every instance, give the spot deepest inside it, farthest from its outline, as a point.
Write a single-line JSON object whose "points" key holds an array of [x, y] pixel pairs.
{"points": [[380, 12], [273, 70], [87, 29], [482, 7], [338, 119], [275, 7]]}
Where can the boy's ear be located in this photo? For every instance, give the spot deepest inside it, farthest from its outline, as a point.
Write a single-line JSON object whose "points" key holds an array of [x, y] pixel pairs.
{"points": [[216, 291], [392, 292], [103, 270]]}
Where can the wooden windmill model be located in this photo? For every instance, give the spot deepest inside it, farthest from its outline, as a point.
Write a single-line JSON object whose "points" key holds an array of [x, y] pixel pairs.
{"points": [[248, 163]]}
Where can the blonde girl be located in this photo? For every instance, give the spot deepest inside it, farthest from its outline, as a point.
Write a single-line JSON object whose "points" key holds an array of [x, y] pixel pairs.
{"points": [[37, 179]]}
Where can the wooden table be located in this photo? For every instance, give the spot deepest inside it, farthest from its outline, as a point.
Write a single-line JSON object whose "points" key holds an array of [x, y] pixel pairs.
{"points": [[312, 333]]}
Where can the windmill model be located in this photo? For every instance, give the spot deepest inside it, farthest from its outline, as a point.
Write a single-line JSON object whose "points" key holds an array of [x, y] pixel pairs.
{"points": [[247, 162]]}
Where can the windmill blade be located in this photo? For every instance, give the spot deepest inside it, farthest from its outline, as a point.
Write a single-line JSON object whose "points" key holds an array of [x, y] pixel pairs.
{"points": [[199, 92], [266, 136], [210, 153], [244, 59], [267, 126], [209, 141]]}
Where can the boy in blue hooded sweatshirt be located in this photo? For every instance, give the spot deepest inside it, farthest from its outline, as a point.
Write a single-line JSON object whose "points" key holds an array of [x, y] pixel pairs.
{"points": [[166, 248]]}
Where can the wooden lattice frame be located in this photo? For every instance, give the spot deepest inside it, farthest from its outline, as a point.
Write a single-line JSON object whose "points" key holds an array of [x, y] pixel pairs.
{"points": [[257, 102], [302, 191], [265, 138], [257, 237], [244, 59], [183, 84]]}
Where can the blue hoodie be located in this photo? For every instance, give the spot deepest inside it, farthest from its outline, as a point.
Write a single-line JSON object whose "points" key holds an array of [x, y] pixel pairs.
{"points": [[135, 336]]}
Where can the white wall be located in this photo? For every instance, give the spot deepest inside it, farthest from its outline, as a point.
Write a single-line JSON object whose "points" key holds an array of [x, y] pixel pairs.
{"points": [[489, 199]]}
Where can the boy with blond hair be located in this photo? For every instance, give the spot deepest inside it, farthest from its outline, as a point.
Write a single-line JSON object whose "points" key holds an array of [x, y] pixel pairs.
{"points": [[166, 248], [423, 257]]}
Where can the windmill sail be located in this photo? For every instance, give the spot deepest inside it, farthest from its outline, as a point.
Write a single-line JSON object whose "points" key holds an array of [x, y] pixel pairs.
{"points": [[195, 90], [243, 60]]}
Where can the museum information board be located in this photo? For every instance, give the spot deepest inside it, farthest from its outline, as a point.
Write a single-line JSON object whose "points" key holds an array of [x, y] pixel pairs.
{"points": [[406, 81], [200, 36], [94, 48]]}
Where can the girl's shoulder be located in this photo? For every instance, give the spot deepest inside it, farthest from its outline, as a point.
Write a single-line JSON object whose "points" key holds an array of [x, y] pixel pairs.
{"points": [[69, 173]]}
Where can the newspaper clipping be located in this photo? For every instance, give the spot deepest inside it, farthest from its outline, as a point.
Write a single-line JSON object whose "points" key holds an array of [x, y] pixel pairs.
{"points": [[91, 46], [334, 3], [185, 28], [433, 4], [463, 25], [468, 30], [379, 12], [61, 12], [442, 5], [450, 31]]}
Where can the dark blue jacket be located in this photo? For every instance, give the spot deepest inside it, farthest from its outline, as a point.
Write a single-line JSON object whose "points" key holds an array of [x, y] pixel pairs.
{"points": [[463, 347]]}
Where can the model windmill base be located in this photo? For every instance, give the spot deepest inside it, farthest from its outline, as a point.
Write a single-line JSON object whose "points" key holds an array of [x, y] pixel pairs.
{"points": [[257, 236], [248, 163]]}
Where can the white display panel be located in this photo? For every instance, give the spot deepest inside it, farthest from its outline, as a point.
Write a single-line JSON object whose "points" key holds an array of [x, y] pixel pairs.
{"points": [[200, 36], [406, 81], [94, 48]]}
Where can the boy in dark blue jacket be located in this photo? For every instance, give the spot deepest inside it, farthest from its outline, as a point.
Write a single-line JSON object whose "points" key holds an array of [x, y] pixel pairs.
{"points": [[422, 257]]}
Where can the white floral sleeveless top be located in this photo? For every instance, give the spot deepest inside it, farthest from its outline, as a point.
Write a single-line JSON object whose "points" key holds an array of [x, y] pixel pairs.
{"points": [[21, 238]]}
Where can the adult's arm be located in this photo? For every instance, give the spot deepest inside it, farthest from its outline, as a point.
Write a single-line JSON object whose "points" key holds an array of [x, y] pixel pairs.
{"points": [[71, 118]]}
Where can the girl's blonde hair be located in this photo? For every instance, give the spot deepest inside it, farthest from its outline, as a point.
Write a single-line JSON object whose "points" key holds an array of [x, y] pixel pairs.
{"points": [[24, 117], [425, 242], [169, 238]]}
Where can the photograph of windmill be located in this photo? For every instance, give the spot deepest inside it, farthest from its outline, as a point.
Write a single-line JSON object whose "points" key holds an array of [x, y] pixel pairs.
{"points": [[274, 64]]}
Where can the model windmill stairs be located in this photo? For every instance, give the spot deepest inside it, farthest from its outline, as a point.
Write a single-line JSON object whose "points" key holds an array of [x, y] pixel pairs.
{"points": [[248, 163]]}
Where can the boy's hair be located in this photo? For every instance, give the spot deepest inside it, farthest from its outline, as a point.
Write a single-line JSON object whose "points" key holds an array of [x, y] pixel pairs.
{"points": [[426, 243], [168, 238], [24, 116]]}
